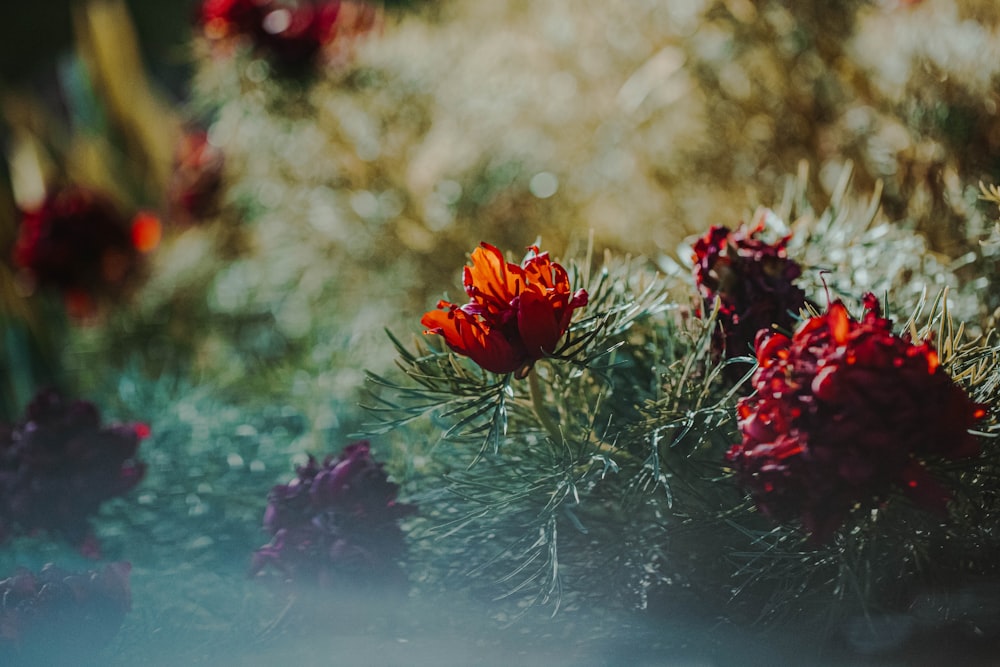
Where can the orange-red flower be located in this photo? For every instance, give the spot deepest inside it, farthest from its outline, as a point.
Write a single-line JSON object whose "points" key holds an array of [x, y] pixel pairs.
{"points": [[516, 314]]}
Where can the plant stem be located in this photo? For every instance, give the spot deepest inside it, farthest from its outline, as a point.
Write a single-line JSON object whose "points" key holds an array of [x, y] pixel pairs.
{"points": [[538, 403]]}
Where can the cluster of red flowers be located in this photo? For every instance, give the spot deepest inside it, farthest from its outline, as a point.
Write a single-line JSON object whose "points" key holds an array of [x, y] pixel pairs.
{"points": [[78, 242], [845, 413], [61, 618], [292, 34], [196, 179], [753, 281], [335, 523], [516, 314], [59, 465]]}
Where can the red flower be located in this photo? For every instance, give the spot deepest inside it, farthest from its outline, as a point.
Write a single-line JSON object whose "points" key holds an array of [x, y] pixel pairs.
{"points": [[516, 315], [78, 242], [844, 413], [753, 281]]}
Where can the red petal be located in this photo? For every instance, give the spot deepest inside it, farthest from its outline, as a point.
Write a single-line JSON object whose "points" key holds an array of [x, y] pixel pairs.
{"points": [[491, 279], [466, 335], [839, 322], [537, 324]]}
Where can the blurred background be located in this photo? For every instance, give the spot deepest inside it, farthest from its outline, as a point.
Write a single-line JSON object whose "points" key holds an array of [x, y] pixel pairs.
{"points": [[439, 124]]}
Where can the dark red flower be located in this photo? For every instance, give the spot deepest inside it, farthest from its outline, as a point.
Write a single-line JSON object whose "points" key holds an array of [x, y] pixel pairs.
{"points": [[59, 465], [335, 522], [197, 178], [78, 242], [516, 315], [844, 414], [61, 618], [754, 282]]}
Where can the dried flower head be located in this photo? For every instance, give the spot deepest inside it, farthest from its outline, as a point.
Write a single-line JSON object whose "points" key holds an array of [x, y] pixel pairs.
{"points": [[59, 465], [78, 242], [754, 282], [844, 414], [56, 617], [336, 522], [517, 314]]}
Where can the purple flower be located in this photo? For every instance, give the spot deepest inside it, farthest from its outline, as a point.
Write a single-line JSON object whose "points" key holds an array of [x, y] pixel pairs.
{"points": [[59, 465], [59, 618], [338, 520]]}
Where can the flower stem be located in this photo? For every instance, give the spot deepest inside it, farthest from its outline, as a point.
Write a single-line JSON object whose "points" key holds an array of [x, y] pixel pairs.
{"points": [[538, 403]]}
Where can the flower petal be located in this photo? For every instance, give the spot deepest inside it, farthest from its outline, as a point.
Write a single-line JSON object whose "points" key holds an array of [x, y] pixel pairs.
{"points": [[466, 335], [492, 280], [537, 324]]}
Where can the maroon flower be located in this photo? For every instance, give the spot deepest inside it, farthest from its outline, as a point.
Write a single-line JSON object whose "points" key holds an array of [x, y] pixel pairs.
{"points": [[78, 242], [197, 178], [753, 281], [844, 414], [516, 315], [335, 523], [61, 618], [59, 465]]}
